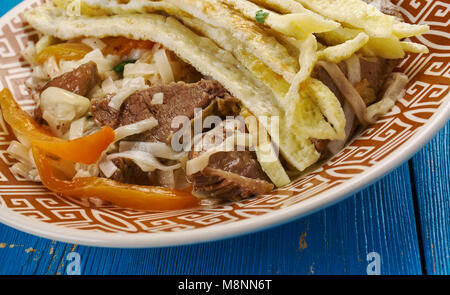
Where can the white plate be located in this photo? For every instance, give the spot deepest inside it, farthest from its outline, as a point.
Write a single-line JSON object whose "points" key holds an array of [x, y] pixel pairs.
{"points": [[381, 147]]}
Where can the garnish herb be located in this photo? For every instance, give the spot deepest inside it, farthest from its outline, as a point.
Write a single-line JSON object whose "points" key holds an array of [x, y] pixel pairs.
{"points": [[121, 66], [261, 16]]}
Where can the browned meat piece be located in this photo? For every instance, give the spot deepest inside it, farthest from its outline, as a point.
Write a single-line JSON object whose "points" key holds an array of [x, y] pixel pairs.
{"points": [[322, 75], [374, 74], [321, 146], [80, 81], [232, 174], [386, 7], [129, 172], [376, 71], [180, 99], [228, 106]]}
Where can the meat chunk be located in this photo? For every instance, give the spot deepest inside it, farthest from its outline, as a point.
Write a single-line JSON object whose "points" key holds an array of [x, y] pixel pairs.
{"points": [[128, 172], [374, 74], [231, 174], [180, 99], [80, 81], [321, 146]]}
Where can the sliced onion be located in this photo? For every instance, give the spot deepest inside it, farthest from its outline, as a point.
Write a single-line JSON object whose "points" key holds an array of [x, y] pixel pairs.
{"points": [[29, 53], [77, 128], [135, 128], [129, 87], [139, 69], [43, 43], [144, 160], [51, 68], [166, 179], [104, 64], [353, 69], [21, 170], [94, 43], [335, 146], [197, 164], [158, 98], [393, 93], [107, 167], [108, 86], [229, 125], [20, 152], [157, 149], [136, 54], [348, 91], [84, 170], [164, 67]]}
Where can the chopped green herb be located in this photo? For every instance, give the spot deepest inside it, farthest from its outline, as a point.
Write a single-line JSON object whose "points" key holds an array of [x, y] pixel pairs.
{"points": [[261, 16], [121, 66]]}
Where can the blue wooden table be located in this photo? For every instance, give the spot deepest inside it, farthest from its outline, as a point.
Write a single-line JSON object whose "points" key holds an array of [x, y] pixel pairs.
{"points": [[402, 223]]}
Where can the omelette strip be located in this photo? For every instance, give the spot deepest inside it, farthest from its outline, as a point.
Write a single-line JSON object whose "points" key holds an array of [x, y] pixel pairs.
{"points": [[298, 25], [106, 7], [200, 52], [302, 108], [225, 39], [265, 151], [356, 13], [256, 40], [388, 47]]}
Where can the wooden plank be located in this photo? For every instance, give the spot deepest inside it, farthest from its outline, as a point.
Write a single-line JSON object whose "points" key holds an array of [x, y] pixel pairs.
{"points": [[21, 253], [333, 241], [431, 171]]}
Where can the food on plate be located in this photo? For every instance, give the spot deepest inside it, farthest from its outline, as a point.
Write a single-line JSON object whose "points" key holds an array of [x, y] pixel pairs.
{"points": [[164, 105]]}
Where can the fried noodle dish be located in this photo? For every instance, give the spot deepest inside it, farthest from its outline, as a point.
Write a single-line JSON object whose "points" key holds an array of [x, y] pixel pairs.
{"points": [[174, 104]]}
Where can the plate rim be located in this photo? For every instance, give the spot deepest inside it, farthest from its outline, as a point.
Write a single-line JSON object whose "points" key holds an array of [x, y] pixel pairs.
{"points": [[233, 229]]}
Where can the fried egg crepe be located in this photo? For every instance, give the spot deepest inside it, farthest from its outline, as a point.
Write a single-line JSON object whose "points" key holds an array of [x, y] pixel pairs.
{"points": [[200, 52], [263, 52]]}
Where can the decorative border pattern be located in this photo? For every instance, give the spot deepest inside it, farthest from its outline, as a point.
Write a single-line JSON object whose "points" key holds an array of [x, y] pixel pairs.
{"points": [[428, 88]]}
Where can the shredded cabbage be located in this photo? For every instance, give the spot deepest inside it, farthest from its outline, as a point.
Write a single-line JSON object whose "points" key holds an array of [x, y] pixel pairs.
{"points": [[104, 64], [164, 67], [146, 161], [107, 167], [158, 98], [25, 168], [109, 87], [197, 164], [129, 86], [77, 128], [157, 149], [139, 69], [353, 69], [94, 43], [135, 128]]}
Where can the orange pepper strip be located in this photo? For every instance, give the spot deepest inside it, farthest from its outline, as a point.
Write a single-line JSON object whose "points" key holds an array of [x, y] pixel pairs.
{"points": [[86, 150], [124, 195], [122, 46], [64, 51]]}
